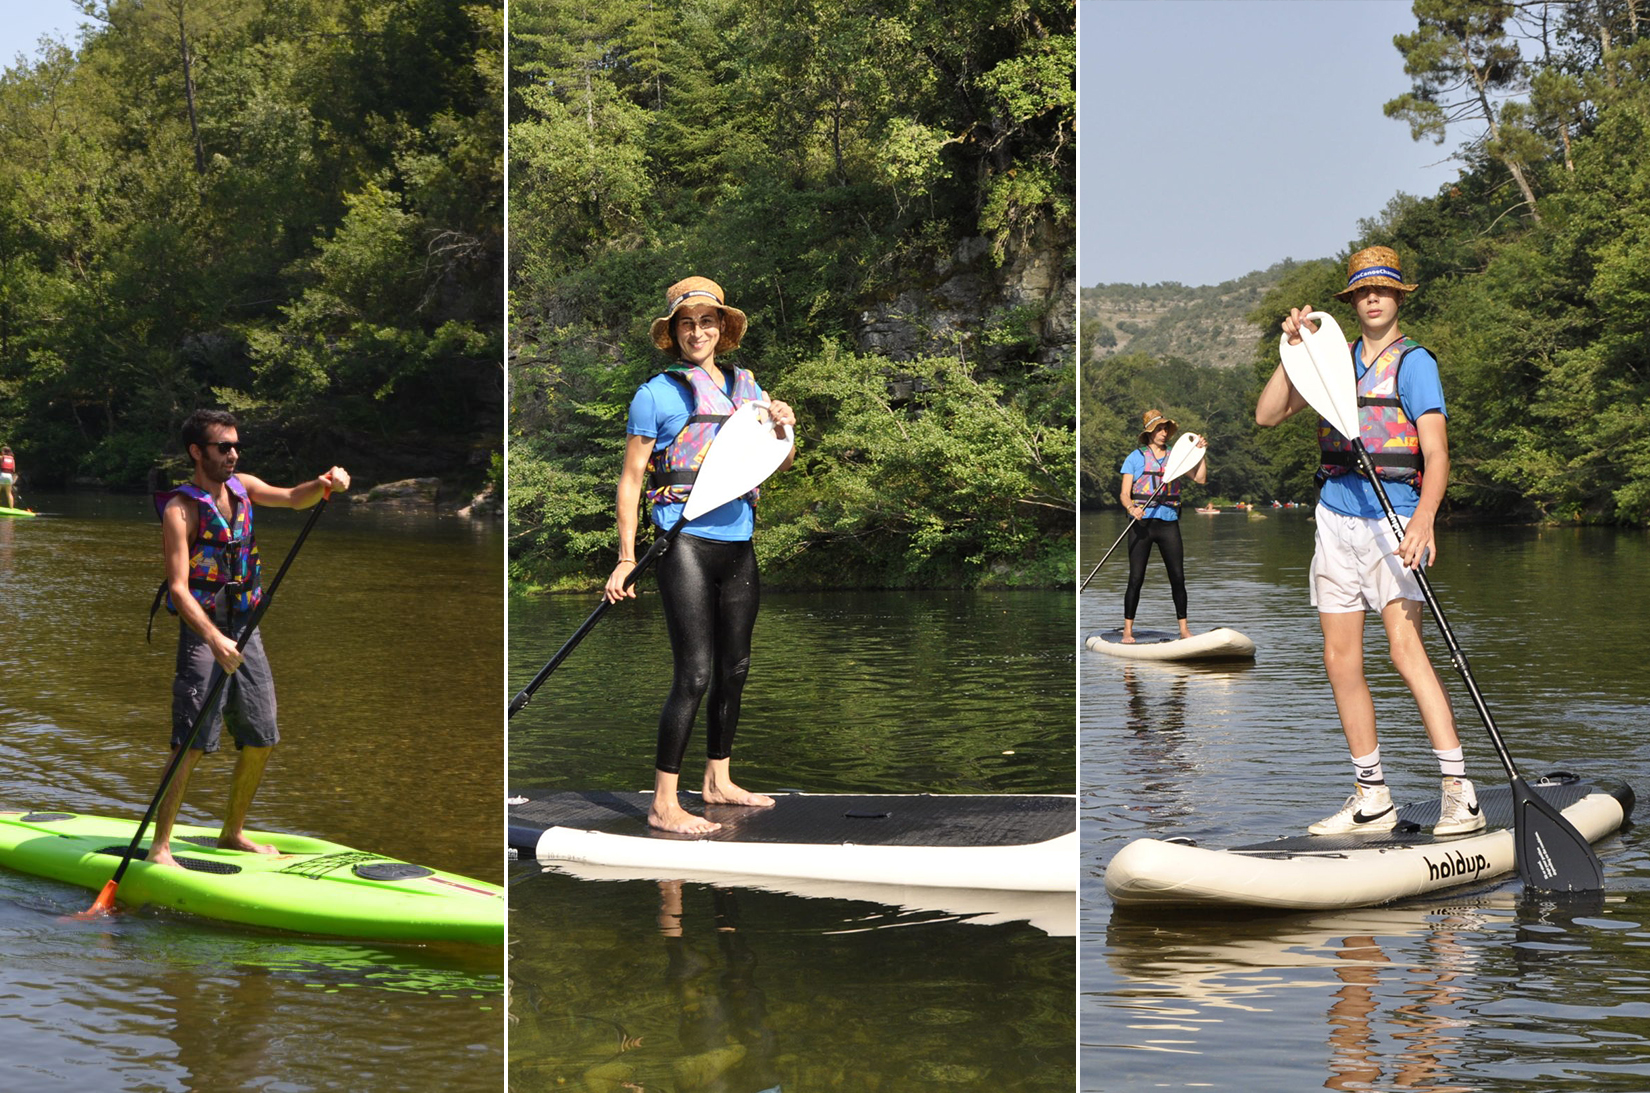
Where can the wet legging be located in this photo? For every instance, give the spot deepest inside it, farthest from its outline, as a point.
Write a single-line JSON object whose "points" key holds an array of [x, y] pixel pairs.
{"points": [[1166, 534], [710, 593]]}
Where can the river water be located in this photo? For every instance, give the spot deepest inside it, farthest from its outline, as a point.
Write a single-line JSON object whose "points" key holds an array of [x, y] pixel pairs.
{"points": [[384, 641], [688, 985], [1479, 991]]}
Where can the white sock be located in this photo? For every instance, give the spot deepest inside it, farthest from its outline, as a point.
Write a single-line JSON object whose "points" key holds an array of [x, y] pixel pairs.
{"points": [[1451, 764], [1367, 768]]}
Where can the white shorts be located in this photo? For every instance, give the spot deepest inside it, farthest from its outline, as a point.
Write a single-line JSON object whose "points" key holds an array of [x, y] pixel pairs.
{"points": [[1356, 566]]}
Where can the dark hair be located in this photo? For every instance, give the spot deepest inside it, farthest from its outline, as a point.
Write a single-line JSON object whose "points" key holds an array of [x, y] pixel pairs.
{"points": [[194, 426]]}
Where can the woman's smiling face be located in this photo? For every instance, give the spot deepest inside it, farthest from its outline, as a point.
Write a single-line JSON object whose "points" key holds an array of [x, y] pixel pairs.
{"points": [[698, 329]]}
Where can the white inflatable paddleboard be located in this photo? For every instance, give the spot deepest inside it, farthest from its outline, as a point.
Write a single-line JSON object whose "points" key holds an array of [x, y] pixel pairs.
{"points": [[1015, 842], [1320, 872], [1220, 644]]}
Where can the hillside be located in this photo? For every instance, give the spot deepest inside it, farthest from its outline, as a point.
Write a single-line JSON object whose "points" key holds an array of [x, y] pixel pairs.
{"points": [[1205, 325]]}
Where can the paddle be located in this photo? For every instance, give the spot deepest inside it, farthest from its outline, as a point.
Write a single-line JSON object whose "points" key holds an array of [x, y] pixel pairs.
{"points": [[1183, 457], [105, 901], [744, 452], [1551, 854]]}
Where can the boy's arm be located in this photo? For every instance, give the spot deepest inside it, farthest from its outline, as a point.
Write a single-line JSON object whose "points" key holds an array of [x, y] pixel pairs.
{"points": [[294, 497], [1419, 542], [1279, 401]]}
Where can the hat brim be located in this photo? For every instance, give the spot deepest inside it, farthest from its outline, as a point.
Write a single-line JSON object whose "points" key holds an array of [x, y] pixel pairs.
{"points": [[1146, 434], [1374, 282], [733, 326]]}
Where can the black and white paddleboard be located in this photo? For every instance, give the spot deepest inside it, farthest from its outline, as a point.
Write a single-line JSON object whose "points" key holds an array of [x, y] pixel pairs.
{"points": [[1218, 644], [1315, 872], [1016, 842]]}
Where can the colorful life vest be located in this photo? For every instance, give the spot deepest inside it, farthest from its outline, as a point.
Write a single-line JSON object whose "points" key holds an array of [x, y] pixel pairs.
{"points": [[673, 468], [1393, 442], [8, 464], [1147, 482], [224, 556]]}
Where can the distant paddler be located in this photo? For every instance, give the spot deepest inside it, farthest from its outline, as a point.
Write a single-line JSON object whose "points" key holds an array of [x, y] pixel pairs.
{"points": [[8, 476], [212, 585], [1155, 506], [708, 581]]}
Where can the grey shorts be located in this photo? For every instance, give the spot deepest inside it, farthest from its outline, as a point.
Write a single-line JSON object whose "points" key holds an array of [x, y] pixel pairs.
{"points": [[248, 695]]}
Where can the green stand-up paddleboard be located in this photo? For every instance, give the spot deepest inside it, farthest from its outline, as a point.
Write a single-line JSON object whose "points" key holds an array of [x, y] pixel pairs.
{"points": [[312, 886], [4, 511]]}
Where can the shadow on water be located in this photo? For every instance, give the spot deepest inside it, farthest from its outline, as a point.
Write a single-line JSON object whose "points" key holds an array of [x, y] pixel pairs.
{"points": [[1476, 990]]}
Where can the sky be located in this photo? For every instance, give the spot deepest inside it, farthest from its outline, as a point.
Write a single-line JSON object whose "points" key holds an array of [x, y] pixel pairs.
{"points": [[1216, 137], [25, 21]]}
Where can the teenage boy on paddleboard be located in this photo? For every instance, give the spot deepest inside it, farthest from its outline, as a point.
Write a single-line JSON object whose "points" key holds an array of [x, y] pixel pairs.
{"points": [[212, 586], [1358, 565]]}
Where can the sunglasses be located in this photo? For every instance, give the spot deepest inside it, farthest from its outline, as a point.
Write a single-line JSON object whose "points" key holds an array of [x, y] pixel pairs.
{"points": [[225, 446]]}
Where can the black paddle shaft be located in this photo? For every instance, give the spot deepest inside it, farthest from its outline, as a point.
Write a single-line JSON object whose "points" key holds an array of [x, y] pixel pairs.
{"points": [[660, 545], [219, 678], [1150, 501], [1541, 864]]}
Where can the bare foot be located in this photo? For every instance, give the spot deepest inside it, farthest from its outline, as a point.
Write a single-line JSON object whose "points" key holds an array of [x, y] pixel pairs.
{"points": [[1126, 639], [1185, 631], [241, 842], [729, 794], [679, 821], [162, 856]]}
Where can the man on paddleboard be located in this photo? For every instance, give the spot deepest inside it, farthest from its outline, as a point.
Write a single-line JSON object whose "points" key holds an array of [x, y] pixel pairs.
{"points": [[212, 586], [1357, 564]]}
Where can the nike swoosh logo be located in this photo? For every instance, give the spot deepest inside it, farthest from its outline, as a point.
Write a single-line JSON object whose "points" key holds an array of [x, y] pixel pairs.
{"points": [[1360, 818]]}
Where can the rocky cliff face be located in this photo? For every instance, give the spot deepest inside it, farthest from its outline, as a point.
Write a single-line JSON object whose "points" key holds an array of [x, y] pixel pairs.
{"points": [[987, 313]]}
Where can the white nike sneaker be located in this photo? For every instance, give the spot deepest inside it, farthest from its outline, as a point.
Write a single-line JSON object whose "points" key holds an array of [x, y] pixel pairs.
{"points": [[1458, 813], [1370, 808]]}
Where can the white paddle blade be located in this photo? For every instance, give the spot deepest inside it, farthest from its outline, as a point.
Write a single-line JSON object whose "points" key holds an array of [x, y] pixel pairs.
{"points": [[1183, 457], [746, 450], [1320, 368]]}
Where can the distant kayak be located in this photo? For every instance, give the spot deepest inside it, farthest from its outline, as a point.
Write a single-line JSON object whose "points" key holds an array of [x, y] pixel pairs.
{"points": [[1219, 644], [312, 886]]}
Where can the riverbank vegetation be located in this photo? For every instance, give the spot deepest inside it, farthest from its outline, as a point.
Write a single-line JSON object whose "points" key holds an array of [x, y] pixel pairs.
{"points": [[1534, 269], [884, 191], [290, 210]]}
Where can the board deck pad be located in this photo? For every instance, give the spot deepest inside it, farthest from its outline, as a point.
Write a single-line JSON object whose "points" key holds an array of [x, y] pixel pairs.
{"points": [[309, 886], [811, 819], [1415, 823], [1141, 637]]}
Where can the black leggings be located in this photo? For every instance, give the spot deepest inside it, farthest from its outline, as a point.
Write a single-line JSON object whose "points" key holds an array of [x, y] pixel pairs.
{"points": [[710, 593], [1166, 534]]}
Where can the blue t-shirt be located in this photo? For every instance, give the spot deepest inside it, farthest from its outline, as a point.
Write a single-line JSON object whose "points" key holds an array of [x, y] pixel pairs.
{"points": [[1135, 464], [660, 410], [1420, 392]]}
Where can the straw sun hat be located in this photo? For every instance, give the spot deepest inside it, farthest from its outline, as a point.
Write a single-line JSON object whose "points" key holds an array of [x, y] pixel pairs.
{"points": [[698, 290], [1373, 266], [1150, 420]]}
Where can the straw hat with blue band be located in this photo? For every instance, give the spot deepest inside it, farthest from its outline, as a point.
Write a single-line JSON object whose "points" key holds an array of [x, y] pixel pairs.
{"points": [[1373, 266], [698, 290]]}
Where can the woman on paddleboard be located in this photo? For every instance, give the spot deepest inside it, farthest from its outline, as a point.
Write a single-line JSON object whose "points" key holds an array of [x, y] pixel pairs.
{"points": [[1156, 521], [707, 578], [1358, 565]]}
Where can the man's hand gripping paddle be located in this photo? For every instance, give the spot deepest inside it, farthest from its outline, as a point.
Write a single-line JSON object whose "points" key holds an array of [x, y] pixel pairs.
{"points": [[105, 901], [745, 451], [1551, 854], [1183, 457]]}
